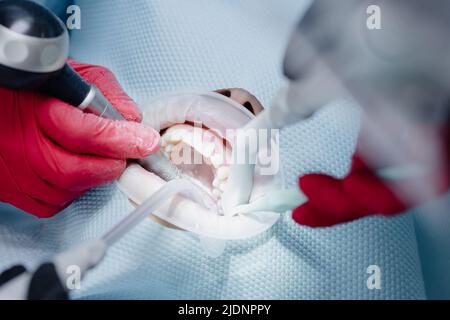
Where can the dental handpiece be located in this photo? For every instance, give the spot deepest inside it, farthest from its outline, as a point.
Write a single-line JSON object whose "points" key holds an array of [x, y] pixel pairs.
{"points": [[34, 47], [157, 162]]}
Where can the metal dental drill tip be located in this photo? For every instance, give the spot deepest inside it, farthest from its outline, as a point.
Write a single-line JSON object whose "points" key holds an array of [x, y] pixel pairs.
{"points": [[160, 165]]}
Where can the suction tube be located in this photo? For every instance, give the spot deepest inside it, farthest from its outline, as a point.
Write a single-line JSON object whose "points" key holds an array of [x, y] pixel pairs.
{"points": [[171, 188]]}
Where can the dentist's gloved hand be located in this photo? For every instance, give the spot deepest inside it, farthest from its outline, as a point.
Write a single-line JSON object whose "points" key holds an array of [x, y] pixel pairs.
{"points": [[51, 152], [362, 192], [332, 201]]}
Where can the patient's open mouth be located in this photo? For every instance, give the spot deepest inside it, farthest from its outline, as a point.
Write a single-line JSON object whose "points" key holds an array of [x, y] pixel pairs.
{"points": [[197, 144], [201, 154]]}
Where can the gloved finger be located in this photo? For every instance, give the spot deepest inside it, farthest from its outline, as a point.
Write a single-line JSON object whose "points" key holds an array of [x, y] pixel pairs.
{"points": [[27, 203], [307, 215], [38, 208], [243, 97], [46, 193], [29, 182], [332, 201], [70, 171], [107, 83], [86, 133]]}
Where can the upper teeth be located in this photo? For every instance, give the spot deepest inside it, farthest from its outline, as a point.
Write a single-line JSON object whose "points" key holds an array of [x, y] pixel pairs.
{"points": [[211, 149], [173, 138], [222, 173]]}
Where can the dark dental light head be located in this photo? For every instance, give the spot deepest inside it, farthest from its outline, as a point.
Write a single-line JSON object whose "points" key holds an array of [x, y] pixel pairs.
{"points": [[34, 47], [34, 44]]}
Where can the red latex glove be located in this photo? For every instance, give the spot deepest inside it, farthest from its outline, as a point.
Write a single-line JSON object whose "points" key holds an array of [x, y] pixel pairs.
{"points": [[51, 152], [361, 193]]}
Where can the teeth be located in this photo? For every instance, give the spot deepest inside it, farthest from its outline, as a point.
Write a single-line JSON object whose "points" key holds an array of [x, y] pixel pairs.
{"points": [[216, 183], [222, 173], [209, 149], [222, 186], [216, 160], [216, 193], [173, 138]]}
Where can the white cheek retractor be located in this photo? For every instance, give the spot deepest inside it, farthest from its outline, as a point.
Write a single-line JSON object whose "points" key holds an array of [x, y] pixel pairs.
{"points": [[194, 129]]}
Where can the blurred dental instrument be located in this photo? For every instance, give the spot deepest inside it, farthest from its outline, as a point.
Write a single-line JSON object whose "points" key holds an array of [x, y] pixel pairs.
{"points": [[289, 107], [35, 48], [396, 70], [397, 73], [52, 280], [240, 180]]}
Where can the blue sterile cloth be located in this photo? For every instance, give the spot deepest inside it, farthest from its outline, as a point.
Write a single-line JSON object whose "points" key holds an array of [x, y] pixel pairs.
{"points": [[160, 46]]}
